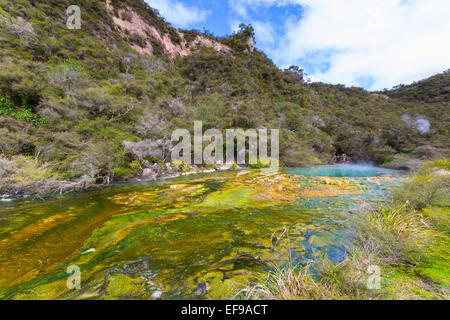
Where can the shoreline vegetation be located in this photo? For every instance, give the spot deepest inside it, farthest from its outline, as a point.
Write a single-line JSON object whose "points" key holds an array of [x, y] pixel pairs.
{"points": [[22, 176], [407, 239], [81, 109], [25, 177]]}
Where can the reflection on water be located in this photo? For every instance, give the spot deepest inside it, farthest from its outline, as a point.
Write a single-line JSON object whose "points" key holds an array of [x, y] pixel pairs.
{"points": [[200, 237]]}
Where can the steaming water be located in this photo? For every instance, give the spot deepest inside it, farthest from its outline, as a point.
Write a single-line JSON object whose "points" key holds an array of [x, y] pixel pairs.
{"points": [[342, 170]]}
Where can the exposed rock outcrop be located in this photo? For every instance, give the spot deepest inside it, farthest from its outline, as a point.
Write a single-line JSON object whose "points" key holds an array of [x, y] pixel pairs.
{"points": [[251, 44], [131, 23], [381, 96]]}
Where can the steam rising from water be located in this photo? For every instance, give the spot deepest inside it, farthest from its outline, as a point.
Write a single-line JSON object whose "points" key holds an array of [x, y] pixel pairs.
{"points": [[342, 170]]}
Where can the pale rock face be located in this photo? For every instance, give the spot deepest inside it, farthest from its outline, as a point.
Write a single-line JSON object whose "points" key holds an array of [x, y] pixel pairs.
{"points": [[251, 44], [137, 25], [205, 42], [381, 96]]}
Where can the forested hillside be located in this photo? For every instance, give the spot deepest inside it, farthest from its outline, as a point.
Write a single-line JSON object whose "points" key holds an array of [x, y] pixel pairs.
{"points": [[69, 99], [435, 89]]}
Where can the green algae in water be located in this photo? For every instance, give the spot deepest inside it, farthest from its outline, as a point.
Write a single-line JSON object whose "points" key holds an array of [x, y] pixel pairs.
{"points": [[199, 237]]}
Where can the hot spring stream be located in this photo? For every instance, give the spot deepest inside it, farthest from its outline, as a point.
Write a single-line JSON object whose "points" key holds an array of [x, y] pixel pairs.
{"points": [[199, 237]]}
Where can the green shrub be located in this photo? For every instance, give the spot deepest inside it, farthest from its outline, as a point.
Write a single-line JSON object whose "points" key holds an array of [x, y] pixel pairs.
{"points": [[121, 172], [7, 108], [260, 164], [422, 191]]}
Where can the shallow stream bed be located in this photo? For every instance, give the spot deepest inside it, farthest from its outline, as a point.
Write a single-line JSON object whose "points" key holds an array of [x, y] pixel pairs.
{"points": [[199, 237]]}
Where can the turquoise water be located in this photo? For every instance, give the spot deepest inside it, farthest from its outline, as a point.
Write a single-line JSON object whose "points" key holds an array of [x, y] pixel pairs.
{"points": [[342, 170]]}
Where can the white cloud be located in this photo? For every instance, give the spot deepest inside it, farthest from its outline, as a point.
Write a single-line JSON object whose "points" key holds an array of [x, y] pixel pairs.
{"points": [[387, 41], [234, 25], [241, 7], [265, 34], [179, 14]]}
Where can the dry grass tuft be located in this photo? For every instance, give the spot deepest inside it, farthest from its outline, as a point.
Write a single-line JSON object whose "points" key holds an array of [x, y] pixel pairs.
{"points": [[288, 283]]}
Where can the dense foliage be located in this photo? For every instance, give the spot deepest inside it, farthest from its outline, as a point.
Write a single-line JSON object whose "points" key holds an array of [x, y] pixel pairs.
{"points": [[70, 98], [434, 89]]}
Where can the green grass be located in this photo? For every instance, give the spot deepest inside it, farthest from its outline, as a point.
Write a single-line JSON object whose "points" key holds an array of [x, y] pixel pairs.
{"points": [[408, 239]]}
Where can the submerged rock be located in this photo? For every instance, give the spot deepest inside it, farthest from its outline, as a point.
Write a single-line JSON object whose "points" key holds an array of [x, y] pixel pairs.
{"points": [[202, 289], [140, 264]]}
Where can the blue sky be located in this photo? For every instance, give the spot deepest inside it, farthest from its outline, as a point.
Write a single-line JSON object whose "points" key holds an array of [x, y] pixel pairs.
{"points": [[373, 44]]}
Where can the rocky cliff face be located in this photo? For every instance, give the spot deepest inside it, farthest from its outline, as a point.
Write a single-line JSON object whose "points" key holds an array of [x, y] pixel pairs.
{"points": [[251, 44], [131, 23]]}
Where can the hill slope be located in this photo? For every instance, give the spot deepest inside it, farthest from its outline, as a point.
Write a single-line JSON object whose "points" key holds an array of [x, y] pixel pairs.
{"points": [[435, 89], [69, 99]]}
